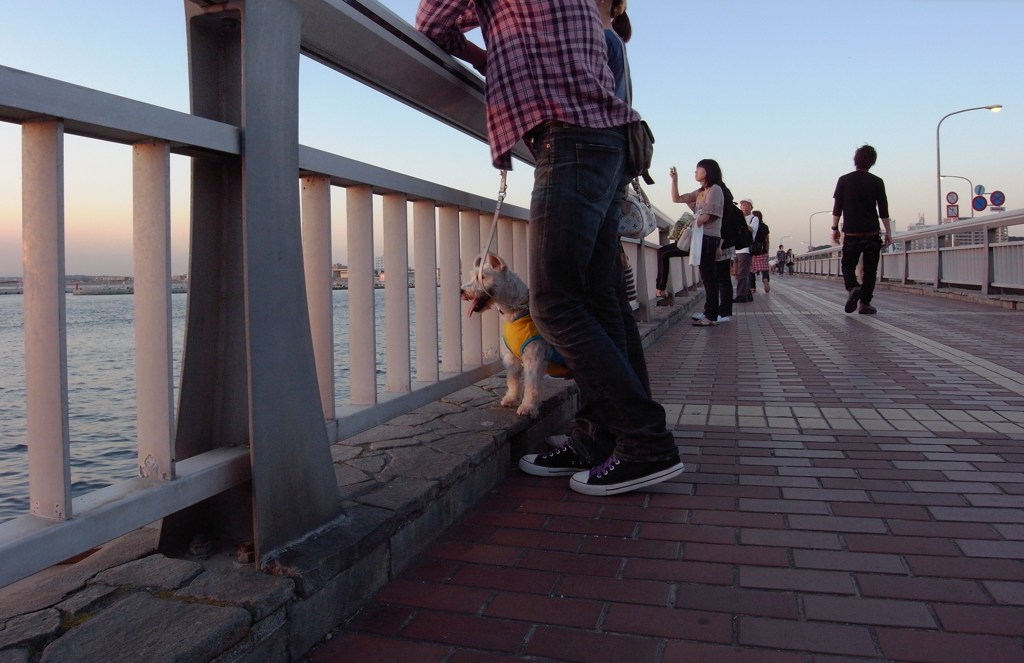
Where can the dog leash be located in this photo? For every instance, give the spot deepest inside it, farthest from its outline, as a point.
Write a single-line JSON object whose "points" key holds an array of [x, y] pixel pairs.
{"points": [[494, 225]]}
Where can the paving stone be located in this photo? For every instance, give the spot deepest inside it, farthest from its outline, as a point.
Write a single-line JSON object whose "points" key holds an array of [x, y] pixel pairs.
{"points": [[259, 593], [152, 572], [160, 629], [30, 630]]}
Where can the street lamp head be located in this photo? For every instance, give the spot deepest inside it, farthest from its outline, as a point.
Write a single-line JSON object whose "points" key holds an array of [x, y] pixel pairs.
{"points": [[995, 108]]}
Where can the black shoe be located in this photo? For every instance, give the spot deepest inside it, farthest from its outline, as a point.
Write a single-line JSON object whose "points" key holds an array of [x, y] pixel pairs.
{"points": [[743, 300], [866, 308], [616, 476], [851, 301], [558, 463]]}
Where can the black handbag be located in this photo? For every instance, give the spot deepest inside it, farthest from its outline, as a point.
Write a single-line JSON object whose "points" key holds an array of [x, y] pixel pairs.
{"points": [[639, 151]]}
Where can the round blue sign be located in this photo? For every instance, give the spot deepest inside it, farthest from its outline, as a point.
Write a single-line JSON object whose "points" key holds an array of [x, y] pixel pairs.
{"points": [[998, 198], [979, 203], [980, 189]]}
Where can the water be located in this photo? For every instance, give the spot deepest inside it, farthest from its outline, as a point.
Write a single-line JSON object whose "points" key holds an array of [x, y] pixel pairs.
{"points": [[101, 387]]}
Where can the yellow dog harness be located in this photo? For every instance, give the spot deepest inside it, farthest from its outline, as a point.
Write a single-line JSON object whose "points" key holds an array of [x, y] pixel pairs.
{"points": [[522, 331]]}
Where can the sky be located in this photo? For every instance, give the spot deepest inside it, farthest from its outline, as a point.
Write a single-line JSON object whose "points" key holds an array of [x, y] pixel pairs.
{"points": [[779, 92]]}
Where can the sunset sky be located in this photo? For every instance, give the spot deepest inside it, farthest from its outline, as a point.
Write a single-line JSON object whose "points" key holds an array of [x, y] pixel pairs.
{"points": [[780, 92]]}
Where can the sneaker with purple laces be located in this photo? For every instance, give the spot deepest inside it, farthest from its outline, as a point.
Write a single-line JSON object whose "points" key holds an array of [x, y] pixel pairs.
{"points": [[561, 462], [616, 476]]}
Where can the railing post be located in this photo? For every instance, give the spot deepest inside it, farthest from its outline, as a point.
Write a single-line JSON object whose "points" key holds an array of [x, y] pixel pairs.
{"points": [[362, 342], [396, 293], [151, 200], [521, 250], [248, 371], [425, 256], [316, 257], [472, 328], [986, 267], [448, 253], [46, 362]]}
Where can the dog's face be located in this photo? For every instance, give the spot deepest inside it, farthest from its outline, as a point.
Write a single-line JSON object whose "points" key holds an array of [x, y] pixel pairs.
{"points": [[481, 287], [492, 283]]}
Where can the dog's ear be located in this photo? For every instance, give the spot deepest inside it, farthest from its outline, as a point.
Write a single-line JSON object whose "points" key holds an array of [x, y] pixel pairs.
{"points": [[495, 263]]}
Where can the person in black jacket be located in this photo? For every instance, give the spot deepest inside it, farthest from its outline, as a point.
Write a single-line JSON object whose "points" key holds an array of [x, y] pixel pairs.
{"points": [[860, 200], [759, 252]]}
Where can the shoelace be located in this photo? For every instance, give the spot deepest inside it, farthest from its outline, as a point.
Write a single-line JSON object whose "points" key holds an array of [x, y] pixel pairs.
{"points": [[606, 467]]}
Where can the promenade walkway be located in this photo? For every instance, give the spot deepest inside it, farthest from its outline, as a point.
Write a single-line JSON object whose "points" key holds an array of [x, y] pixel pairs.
{"points": [[854, 492]]}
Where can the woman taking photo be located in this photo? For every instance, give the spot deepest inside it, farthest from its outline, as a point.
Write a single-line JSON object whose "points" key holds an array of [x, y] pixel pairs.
{"points": [[707, 203]]}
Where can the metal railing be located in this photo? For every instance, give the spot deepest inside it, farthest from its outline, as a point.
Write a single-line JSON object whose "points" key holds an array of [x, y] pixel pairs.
{"points": [[930, 256], [245, 454]]}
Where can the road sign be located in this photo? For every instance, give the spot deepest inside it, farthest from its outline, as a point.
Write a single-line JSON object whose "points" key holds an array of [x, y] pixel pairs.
{"points": [[951, 198], [952, 211], [980, 189], [997, 198], [979, 203]]}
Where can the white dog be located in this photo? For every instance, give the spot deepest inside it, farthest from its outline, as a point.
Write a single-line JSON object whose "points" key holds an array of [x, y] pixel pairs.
{"points": [[524, 352]]}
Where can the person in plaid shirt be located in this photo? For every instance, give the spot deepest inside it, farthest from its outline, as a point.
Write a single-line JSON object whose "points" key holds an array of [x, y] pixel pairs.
{"points": [[549, 84]]}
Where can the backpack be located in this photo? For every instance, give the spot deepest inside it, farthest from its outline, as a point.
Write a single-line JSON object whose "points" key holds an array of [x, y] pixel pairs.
{"points": [[735, 231]]}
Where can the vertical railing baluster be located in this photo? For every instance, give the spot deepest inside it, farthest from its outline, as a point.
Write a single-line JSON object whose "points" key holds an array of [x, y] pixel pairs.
{"points": [[396, 293], [425, 257], [362, 350], [154, 390], [448, 282], [469, 229], [520, 250], [46, 372], [490, 325], [316, 258]]}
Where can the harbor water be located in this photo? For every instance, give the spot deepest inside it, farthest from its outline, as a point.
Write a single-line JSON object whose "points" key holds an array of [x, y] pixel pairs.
{"points": [[101, 387]]}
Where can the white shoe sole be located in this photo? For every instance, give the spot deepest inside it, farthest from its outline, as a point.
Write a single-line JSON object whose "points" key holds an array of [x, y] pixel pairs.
{"points": [[528, 464], [579, 482]]}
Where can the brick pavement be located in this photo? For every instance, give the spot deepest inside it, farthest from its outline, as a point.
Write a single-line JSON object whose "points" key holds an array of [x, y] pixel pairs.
{"points": [[854, 492]]}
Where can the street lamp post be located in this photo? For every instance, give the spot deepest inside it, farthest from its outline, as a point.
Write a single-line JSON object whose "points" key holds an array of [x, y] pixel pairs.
{"points": [[970, 198], [995, 108], [810, 243]]}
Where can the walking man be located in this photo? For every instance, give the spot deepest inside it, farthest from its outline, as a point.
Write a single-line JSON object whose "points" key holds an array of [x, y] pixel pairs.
{"points": [[860, 201]]}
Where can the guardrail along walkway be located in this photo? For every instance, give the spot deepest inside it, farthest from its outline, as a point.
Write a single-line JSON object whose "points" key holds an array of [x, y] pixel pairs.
{"points": [[854, 491]]}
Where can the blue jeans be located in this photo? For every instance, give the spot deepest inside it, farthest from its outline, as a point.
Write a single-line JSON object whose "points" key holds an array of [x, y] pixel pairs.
{"points": [[575, 278]]}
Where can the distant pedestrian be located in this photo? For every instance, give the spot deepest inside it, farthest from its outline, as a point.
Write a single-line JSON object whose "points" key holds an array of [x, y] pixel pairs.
{"points": [[780, 260], [743, 258], [790, 260], [759, 253], [860, 201], [707, 203]]}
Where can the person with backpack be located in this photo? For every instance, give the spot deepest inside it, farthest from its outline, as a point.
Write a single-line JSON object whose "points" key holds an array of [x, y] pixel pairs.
{"points": [[759, 252], [707, 203], [735, 237], [743, 257]]}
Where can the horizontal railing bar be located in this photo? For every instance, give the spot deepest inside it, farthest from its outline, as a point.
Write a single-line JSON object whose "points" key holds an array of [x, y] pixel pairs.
{"points": [[85, 112], [366, 41], [29, 544], [348, 172], [1000, 219]]}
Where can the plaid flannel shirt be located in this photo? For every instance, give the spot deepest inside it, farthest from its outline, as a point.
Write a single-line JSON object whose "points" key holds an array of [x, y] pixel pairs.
{"points": [[546, 60]]}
